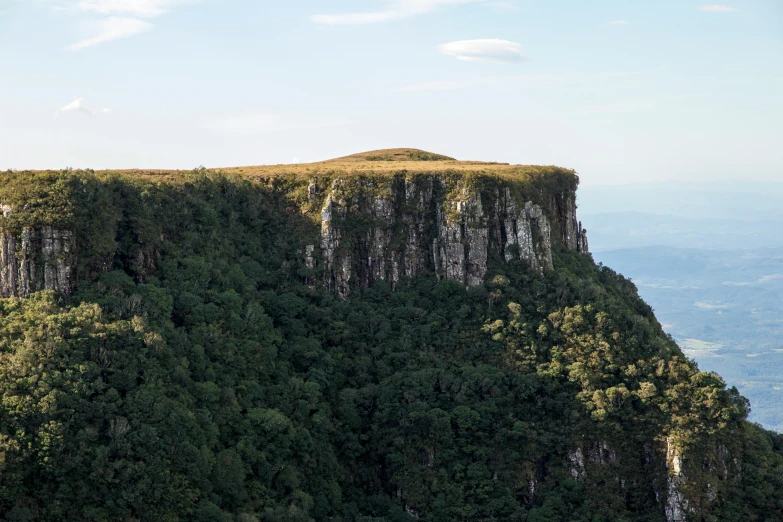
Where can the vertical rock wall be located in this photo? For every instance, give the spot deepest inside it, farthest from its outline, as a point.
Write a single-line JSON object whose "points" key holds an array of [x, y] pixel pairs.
{"points": [[676, 504], [372, 228], [9, 268], [399, 227], [36, 259]]}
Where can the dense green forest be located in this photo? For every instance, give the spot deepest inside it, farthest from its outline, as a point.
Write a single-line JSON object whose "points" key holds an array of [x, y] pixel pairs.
{"points": [[197, 373]]}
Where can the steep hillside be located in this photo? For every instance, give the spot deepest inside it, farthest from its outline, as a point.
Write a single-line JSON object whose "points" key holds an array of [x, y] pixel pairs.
{"points": [[394, 336]]}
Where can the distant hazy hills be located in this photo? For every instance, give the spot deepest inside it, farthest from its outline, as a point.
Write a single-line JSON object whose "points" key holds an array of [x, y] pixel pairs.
{"points": [[738, 201], [615, 230], [709, 259]]}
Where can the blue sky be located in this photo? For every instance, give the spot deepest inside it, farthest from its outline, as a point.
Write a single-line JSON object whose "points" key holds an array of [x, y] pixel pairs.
{"points": [[619, 90]]}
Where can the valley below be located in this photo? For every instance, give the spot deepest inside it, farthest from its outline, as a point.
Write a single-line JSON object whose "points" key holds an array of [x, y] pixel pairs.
{"points": [[724, 309], [709, 260]]}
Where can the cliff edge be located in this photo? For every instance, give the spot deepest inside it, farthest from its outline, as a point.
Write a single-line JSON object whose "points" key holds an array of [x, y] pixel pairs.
{"points": [[381, 215]]}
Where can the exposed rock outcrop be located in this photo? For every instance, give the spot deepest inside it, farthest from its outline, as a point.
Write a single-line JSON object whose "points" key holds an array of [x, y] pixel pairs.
{"points": [[576, 464], [595, 453], [338, 269], [36, 259], [676, 503], [375, 227], [398, 227]]}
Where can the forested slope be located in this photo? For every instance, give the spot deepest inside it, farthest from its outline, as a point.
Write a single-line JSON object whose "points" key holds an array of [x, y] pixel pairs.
{"points": [[191, 362]]}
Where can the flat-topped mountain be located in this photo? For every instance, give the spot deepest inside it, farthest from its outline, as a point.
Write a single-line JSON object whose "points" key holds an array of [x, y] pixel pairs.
{"points": [[380, 215], [390, 336], [377, 161]]}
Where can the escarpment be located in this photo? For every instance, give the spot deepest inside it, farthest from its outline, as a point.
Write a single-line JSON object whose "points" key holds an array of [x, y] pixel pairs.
{"points": [[386, 220], [407, 225], [395, 335]]}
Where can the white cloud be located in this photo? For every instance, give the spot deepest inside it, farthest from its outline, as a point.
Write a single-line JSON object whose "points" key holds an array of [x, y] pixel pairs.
{"points": [[709, 306], [717, 9], [77, 105], [140, 8], [118, 18], [357, 18], [490, 50], [398, 9], [262, 123], [113, 28], [619, 22]]}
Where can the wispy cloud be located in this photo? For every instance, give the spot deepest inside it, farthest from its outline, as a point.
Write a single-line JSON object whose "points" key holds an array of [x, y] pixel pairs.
{"points": [[717, 9], [140, 8], [397, 10], [77, 105], [108, 20], [761, 281], [112, 28], [709, 306], [263, 123], [619, 22], [489, 50]]}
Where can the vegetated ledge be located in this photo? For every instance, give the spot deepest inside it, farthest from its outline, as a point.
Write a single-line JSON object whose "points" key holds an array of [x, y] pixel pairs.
{"points": [[379, 215]]}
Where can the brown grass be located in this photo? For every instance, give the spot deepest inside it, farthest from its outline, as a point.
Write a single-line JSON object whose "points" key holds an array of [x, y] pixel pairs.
{"points": [[379, 162]]}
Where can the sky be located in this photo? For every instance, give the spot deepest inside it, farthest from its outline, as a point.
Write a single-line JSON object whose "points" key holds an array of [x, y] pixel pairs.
{"points": [[619, 90]]}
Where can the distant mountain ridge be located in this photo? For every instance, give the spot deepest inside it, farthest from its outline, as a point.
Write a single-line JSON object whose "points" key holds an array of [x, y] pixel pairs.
{"points": [[629, 229], [740, 200]]}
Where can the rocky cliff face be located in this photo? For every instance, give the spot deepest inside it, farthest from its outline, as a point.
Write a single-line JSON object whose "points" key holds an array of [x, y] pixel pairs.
{"points": [[676, 503], [401, 227], [383, 223], [36, 259], [680, 498], [381, 229]]}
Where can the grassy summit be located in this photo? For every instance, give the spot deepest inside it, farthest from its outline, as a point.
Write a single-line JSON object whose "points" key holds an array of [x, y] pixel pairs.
{"points": [[393, 155], [389, 161], [378, 162], [51, 196]]}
